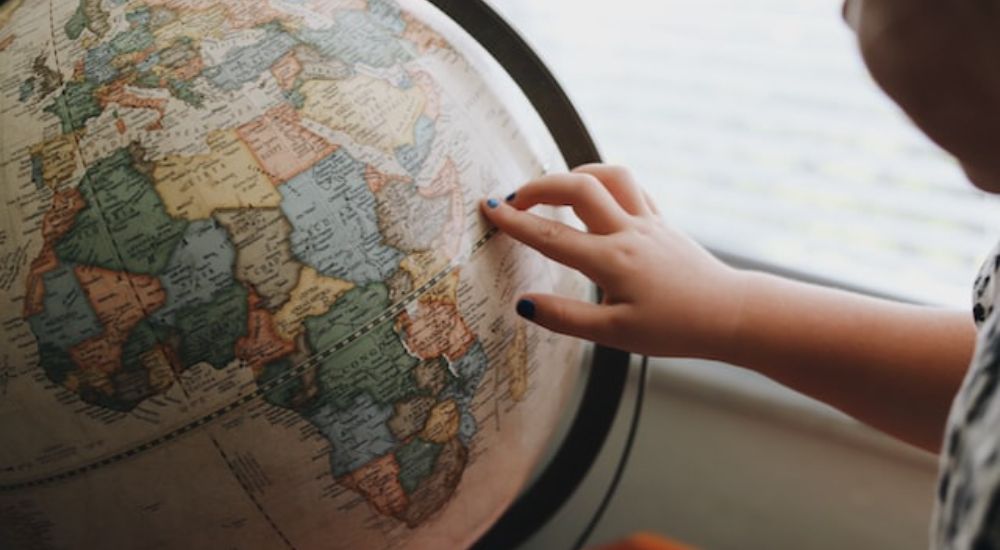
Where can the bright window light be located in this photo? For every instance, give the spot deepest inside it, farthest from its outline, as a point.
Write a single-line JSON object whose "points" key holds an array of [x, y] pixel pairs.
{"points": [[758, 130]]}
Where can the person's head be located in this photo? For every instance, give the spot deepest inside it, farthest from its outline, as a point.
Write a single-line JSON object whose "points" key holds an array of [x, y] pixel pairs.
{"points": [[940, 61]]}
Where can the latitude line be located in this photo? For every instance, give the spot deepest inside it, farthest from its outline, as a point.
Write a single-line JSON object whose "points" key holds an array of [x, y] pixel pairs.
{"points": [[222, 411]]}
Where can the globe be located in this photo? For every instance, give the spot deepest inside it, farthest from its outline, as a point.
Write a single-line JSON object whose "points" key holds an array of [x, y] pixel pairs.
{"points": [[248, 300]]}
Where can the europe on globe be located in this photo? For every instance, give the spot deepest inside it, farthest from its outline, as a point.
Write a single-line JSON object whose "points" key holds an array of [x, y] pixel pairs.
{"points": [[246, 296]]}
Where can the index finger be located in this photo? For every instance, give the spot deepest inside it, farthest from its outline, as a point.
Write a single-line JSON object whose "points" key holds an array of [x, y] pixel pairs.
{"points": [[620, 184], [593, 204], [558, 241]]}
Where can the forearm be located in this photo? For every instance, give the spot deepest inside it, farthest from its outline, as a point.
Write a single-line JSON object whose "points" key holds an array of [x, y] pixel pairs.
{"points": [[894, 366]]}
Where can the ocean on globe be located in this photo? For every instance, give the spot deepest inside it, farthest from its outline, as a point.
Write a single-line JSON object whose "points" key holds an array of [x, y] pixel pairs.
{"points": [[247, 297]]}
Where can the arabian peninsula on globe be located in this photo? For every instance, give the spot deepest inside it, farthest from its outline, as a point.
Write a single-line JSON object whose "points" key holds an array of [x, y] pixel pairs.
{"points": [[246, 296]]}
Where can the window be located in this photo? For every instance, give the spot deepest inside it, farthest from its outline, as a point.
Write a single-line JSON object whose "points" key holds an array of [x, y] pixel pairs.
{"points": [[758, 130]]}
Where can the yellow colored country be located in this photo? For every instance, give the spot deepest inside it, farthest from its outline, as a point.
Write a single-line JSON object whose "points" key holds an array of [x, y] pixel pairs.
{"points": [[442, 423], [370, 110], [58, 159], [193, 24], [313, 295], [192, 187], [517, 361]]}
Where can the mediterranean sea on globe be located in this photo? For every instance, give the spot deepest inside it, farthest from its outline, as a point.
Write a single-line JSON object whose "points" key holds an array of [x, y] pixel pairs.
{"points": [[247, 297]]}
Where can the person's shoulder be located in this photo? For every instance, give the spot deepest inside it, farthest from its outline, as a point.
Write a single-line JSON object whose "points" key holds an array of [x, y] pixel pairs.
{"points": [[969, 482], [984, 288]]}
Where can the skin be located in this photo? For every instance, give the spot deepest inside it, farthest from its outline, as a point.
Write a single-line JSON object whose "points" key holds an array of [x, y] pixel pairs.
{"points": [[938, 61], [894, 366]]}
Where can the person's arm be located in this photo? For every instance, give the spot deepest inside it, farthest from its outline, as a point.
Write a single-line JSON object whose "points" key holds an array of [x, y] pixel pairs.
{"points": [[891, 365]]}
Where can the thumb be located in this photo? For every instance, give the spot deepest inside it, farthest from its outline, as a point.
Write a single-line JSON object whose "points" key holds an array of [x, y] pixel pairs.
{"points": [[568, 316]]}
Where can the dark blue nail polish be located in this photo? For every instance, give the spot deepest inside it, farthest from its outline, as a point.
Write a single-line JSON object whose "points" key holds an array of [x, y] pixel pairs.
{"points": [[526, 308], [493, 203], [510, 197]]}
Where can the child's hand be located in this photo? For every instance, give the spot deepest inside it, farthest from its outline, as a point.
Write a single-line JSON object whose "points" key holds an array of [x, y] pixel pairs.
{"points": [[663, 294], [893, 365]]}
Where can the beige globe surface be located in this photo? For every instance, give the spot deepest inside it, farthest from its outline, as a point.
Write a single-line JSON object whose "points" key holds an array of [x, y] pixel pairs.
{"points": [[247, 297]]}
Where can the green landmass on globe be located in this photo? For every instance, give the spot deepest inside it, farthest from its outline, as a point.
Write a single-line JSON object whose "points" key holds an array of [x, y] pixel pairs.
{"points": [[246, 293]]}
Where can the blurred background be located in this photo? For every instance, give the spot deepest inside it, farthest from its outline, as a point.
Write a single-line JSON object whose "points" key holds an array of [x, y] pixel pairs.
{"points": [[757, 129]]}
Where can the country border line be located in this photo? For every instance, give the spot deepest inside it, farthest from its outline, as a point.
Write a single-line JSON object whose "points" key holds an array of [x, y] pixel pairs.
{"points": [[218, 413]]}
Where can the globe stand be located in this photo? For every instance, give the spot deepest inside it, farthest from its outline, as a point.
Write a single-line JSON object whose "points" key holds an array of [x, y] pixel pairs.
{"points": [[606, 382]]}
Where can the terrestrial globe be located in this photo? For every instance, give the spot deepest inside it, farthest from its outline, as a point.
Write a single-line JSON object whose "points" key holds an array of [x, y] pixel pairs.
{"points": [[247, 299]]}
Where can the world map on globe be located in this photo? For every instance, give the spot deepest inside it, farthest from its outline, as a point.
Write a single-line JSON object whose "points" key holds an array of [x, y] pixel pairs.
{"points": [[247, 297]]}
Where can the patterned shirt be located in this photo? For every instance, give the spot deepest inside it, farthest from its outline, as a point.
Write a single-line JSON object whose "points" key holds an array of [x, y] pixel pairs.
{"points": [[967, 514]]}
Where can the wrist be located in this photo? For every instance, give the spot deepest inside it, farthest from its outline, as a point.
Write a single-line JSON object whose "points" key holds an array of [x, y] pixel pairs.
{"points": [[739, 315]]}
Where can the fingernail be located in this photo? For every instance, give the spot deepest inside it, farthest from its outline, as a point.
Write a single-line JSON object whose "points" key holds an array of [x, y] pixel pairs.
{"points": [[526, 308], [493, 203], [510, 197]]}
